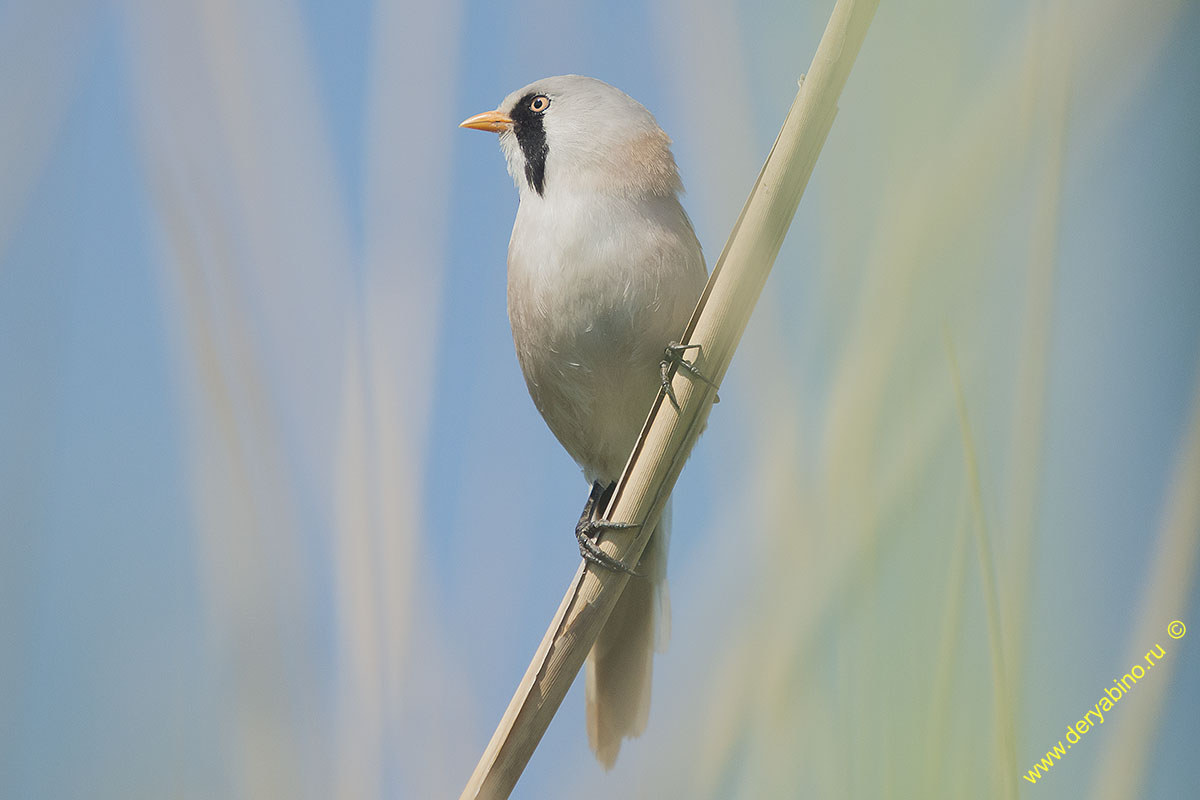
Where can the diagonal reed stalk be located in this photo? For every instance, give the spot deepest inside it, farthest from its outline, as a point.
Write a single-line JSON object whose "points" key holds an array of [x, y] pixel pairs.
{"points": [[668, 436]]}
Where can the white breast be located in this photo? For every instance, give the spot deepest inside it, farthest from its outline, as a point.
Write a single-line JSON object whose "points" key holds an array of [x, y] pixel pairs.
{"points": [[597, 287]]}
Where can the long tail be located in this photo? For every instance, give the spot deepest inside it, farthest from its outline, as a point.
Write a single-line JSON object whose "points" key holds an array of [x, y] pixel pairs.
{"points": [[620, 666]]}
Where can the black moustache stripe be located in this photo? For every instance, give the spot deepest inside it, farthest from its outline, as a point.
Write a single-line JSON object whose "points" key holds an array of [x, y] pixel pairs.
{"points": [[531, 135]]}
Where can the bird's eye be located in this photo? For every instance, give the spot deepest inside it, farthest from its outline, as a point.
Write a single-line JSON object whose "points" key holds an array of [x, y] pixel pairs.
{"points": [[539, 104]]}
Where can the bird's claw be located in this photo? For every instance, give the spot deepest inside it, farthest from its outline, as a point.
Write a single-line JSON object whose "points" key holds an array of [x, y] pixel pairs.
{"points": [[674, 357], [587, 532]]}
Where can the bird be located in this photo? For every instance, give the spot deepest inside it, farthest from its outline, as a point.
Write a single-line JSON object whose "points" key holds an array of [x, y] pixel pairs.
{"points": [[604, 270]]}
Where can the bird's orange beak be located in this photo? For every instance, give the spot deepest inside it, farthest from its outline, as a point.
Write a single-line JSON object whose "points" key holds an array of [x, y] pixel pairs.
{"points": [[494, 121]]}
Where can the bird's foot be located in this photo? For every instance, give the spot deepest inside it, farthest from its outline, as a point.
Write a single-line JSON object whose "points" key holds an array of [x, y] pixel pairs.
{"points": [[588, 530], [674, 358]]}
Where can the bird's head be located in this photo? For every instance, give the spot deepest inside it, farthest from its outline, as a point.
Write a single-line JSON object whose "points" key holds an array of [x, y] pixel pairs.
{"points": [[578, 134]]}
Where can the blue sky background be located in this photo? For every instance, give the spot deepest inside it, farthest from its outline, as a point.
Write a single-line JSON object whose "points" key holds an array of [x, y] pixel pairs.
{"points": [[278, 517]]}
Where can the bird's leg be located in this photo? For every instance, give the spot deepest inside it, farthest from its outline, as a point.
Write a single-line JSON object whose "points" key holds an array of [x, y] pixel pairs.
{"points": [[588, 530], [674, 357]]}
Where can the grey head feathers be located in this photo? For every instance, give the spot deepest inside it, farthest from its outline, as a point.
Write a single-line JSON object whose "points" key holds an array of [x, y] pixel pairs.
{"points": [[577, 134]]}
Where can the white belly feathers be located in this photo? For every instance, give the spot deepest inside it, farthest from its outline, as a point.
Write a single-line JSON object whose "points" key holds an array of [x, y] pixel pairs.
{"points": [[584, 301]]}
